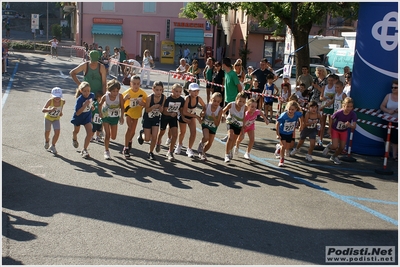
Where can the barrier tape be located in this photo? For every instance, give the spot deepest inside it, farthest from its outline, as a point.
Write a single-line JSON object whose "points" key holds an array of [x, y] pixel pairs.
{"points": [[377, 113]]}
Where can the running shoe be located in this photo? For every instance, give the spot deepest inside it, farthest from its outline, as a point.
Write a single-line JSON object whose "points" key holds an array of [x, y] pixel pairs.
{"points": [[158, 148], [107, 155], [140, 138], [126, 152], [84, 154], [309, 157], [281, 163], [224, 139], [53, 149], [46, 145], [151, 156], [202, 156], [178, 149], [200, 147], [227, 159], [190, 153], [75, 143], [293, 152], [246, 155], [326, 150], [335, 160], [168, 142], [235, 150], [170, 156]]}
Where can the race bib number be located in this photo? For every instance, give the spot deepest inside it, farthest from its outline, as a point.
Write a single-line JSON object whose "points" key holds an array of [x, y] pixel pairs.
{"points": [[191, 111], [289, 126], [173, 107], [313, 125], [338, 105], [154, 113], [88, 108], [55, 113], [113, 112], [96, 119], [249, 123], [134, 102], [341, 125], [234, 121], [254, 95]]}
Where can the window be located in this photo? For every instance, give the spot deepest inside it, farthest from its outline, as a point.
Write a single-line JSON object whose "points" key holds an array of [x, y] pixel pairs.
{"points": [[108, 6], [233, 47], [149, 7]]}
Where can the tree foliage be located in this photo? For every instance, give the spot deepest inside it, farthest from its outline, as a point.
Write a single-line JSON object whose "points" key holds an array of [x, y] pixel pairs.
{"points": [[298, 16]]}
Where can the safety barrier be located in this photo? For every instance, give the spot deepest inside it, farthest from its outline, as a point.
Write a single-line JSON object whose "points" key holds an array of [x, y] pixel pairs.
{"points": [[72, 51]]}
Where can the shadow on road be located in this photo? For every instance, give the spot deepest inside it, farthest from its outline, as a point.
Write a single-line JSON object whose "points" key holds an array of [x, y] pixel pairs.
{"points": [[23, 191]]}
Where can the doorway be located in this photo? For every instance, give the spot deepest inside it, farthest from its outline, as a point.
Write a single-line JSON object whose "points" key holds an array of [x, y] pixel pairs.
{"points": [[148, 42]]}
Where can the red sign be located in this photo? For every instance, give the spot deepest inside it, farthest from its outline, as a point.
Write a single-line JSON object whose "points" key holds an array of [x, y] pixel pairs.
{"points": [[107, 21], [189, 24]]}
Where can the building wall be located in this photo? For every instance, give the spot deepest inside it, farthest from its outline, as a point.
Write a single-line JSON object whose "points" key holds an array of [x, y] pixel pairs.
{"points": [[135, 23]]}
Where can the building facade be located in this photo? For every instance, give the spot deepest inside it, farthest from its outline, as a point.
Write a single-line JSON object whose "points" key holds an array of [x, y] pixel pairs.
{"points": [[138, 26]]}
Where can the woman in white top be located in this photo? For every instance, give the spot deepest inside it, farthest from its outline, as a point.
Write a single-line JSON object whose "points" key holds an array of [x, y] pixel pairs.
{"points": [[146, 64], [390, 106]]}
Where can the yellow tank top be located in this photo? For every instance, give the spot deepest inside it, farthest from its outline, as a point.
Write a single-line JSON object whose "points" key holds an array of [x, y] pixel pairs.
{"points": [[54, 115]]}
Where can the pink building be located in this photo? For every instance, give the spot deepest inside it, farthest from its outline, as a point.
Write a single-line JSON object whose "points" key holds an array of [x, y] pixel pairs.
{"points": [[137, 26]]}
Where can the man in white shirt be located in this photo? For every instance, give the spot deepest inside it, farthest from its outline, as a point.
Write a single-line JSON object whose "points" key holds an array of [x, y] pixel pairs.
{"points": [[54, 44]]}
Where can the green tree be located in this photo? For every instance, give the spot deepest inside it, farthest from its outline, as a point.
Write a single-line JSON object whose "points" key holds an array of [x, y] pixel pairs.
{"points": [[298, 16]]}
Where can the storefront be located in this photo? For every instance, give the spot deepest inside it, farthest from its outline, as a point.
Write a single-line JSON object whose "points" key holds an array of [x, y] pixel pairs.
{"points": [[188, 35], [274, 49], [107, 32]]}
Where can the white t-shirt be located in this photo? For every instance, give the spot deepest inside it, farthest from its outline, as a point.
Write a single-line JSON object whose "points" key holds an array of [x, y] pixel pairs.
{"points": [[54, 43]]}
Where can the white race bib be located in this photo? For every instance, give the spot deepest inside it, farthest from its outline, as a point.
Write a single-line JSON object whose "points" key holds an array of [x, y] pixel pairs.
{"points": [[55, 113], [173, 107], [96, 119], [134, 102], [113, 112], [289, 126]]}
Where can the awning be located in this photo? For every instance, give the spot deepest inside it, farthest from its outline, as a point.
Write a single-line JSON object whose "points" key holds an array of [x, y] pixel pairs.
{"points": [[107, 29], [189, 36]]}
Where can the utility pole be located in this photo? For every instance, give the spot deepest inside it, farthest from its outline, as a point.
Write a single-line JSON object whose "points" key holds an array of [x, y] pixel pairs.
{"points": [[47, 22]]}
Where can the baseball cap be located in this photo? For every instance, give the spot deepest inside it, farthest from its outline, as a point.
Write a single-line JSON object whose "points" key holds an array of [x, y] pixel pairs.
{"points": [[56, 92], [194, 87], [286, 76], [250, 67], [94, 55]]}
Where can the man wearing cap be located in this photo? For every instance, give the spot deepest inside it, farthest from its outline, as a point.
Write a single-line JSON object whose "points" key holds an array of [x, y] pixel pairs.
{"points": [[94, 73], [262, 72]]}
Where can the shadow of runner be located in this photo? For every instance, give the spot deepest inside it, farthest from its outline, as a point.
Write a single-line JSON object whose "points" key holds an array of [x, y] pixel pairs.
{"points": [[23, 191]]}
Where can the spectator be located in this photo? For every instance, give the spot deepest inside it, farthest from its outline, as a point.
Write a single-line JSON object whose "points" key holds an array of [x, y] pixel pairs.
{"points": [[54, 43], [261, 73], [146, 64], [122, 56], [305, 77], [390, 107], [41, 28]]}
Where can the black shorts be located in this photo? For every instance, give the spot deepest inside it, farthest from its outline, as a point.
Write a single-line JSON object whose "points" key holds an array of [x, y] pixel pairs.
{"points": [[168, 120], [208, 85], [236, 130], [287, 137], [209, 130], [394, 134], [96, 127], [268, 103], [149, 123]]}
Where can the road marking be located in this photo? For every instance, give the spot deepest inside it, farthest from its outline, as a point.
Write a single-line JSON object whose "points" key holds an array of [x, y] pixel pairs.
{"points": [[9, 86], [346, 199]]}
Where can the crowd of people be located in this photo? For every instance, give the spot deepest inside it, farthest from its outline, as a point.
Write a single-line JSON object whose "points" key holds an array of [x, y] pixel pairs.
{"points": [[243, 99]]}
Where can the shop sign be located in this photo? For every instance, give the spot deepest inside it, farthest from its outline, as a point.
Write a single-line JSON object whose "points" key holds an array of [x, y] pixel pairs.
{"points": [[270, 37], [107, 21], [189, 24]]}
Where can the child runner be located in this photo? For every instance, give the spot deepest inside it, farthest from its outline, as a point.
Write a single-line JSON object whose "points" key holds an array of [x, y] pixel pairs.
{"points": [[341, 120], [286, 125], [339, 96], [310, 129], [97, 125], [211, 120], [151, 118], [189, 116], [173, 105], [83, 116], [53, 112], [249, 126], [269, 89], [234, 122], [134, 101], [111, 107]]}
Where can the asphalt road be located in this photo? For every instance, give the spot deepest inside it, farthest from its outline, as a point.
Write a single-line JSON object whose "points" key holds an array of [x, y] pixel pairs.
{"points": [[67, 210]]}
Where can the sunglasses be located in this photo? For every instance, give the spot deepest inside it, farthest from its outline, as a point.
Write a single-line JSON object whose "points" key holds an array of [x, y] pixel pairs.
{"points": [[395, 87]]}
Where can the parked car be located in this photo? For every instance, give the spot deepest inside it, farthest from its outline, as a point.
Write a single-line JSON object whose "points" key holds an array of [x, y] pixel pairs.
{"points": [[279, 73]]}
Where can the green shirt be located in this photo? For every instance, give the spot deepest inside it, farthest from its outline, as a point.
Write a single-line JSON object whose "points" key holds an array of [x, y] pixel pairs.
{"points": [[122, 56], [209, 74], [93, 77], [231, 86]]}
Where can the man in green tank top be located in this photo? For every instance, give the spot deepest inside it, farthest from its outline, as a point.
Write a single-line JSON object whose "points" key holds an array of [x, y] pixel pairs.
{"points": [[94, 73]]}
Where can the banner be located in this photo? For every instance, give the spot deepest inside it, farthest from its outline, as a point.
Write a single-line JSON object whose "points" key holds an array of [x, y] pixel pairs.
{"points": [[375, 67]]}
